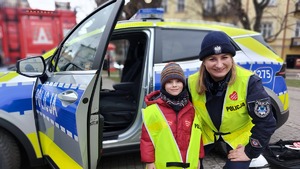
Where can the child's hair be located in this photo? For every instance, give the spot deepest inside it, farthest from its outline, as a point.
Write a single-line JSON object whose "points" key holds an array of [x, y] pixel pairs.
{"points": [[171, 71]]}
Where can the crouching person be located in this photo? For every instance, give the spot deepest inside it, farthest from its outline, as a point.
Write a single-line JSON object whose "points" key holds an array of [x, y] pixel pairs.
{"points": [[233, 104]]}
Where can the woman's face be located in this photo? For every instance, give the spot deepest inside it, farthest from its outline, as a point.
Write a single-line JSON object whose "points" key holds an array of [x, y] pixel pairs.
{"points": [[218, 65], [174, 87]]}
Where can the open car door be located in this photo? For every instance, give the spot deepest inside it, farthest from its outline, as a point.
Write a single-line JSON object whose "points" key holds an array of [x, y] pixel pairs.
{"points": [[66, 94]]}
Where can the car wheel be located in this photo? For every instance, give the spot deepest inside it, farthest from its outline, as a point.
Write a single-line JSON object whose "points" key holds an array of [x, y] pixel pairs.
{"points": [[9, 151]]}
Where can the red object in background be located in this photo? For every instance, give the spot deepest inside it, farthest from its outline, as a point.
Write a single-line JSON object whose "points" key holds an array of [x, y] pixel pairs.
{"points": [[297, 63], [27, 32], [111, 46]]}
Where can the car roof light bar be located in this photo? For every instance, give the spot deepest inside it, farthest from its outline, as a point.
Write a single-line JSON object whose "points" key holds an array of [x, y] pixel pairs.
{"points": [[148, 13]]}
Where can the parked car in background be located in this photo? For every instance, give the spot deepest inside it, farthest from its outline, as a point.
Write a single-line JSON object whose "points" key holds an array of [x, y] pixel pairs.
{"points": [[70, 114]]}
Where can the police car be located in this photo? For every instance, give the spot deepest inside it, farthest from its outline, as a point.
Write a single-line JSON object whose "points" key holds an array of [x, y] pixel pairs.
{"points": [[86, 101]]}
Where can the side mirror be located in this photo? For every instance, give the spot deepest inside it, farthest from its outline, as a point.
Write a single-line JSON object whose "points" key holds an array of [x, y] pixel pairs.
{"points": [[31, 67]]}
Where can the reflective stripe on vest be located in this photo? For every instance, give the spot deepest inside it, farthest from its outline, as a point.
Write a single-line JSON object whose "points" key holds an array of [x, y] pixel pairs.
{"points": [[167, 153], [236, 122]]}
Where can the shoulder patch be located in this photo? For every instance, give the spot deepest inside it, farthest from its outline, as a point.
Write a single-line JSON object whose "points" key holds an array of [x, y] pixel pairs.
{"points": [[255, 143], [262, 108]]}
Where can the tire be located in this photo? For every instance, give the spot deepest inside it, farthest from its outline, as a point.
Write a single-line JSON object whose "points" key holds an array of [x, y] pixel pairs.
{"points": [[10, 157]]}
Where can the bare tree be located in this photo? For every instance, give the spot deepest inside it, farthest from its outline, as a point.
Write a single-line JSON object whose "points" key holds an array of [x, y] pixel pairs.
{"points": [[259, 10], [234, 9], [259, 6], [230, 10], [235, 6]]}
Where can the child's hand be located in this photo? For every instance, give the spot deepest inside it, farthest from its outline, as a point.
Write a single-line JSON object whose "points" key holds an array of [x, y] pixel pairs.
{"points": [[150, 166]]}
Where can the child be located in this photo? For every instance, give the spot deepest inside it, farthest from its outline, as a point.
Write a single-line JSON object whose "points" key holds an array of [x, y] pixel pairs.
{"points": [[170, 134]]}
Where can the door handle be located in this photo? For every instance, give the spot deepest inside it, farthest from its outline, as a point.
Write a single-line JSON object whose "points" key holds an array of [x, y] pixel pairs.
{"points": [[68, 96]]}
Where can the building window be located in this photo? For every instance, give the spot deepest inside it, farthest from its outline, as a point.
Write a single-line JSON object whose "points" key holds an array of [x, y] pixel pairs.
{"points": [[180, 5], [164, 4], [297, 31], [297, 6], [266, 29], [208, 7], [272, 3]]}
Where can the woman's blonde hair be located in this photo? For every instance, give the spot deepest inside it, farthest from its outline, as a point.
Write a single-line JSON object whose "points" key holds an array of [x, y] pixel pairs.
{"points": [[201, 88]]}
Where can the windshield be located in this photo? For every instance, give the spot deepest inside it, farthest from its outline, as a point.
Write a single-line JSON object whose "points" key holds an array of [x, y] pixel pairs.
{"points": [[79, 50]]}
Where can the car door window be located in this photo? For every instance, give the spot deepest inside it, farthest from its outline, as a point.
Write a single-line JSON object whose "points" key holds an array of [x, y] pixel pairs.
{"points": [[179, 44], [79, 50]]}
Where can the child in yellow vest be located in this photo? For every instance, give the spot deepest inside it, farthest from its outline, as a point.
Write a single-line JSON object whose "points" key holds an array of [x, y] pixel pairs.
{"points": [[171, 136]]}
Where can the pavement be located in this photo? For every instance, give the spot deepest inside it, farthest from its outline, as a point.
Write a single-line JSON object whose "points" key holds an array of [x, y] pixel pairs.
{"points": [[293, 74]]}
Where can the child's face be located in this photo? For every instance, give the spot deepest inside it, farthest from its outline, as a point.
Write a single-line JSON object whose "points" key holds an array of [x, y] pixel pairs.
{"points": [[174, 87]]}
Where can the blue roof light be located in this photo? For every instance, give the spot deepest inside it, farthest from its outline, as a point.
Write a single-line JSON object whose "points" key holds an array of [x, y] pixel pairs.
{"points": [[149, 13]]}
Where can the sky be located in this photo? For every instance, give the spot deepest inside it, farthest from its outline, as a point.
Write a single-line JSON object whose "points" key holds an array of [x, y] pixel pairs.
{"points": [[83, 7]]}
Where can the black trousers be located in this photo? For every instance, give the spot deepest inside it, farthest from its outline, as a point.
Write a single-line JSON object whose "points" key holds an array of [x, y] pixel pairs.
{"points": [[229, 164]]}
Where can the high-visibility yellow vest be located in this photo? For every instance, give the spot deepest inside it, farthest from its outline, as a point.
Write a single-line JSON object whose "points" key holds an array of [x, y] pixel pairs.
{"points": [[167, 152], [236, 122]]}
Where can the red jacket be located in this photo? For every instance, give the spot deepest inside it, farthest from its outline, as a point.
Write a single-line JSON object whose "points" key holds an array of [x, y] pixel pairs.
{"points": [[180, 125]]}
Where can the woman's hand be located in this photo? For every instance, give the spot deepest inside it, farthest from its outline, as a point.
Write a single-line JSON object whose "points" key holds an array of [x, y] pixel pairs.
{"points": [[238, 154], [150, 166]]}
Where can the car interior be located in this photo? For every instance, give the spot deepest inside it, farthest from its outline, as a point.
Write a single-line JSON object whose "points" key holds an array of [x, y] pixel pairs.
{"points": [[121, 82]]}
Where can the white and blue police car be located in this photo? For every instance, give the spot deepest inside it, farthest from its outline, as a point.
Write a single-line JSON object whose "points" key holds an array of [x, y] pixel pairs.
{"points": [[86, 100]]}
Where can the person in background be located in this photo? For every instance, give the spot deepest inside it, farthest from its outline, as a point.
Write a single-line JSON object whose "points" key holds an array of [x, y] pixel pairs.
{"points": [[232, 103], [171, 134]]}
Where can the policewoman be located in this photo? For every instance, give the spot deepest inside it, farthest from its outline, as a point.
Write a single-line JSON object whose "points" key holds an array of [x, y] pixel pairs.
{"points": [[232, 103], [171, 135]]}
